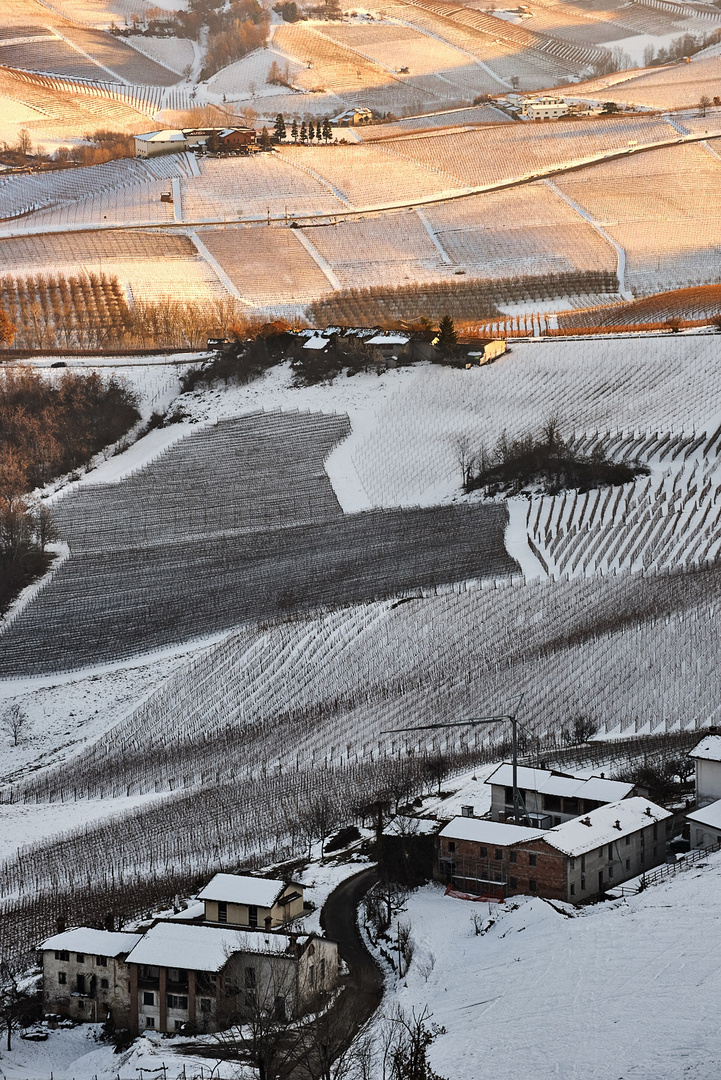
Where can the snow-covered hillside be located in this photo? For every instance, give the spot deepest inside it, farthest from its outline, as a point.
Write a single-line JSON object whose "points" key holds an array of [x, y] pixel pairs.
{"points": [[626, 990]]}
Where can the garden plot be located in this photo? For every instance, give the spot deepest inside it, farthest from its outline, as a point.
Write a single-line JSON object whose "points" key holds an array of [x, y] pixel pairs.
{"points": [[372, 251], [527, 230], [268, 267], [487, 156], [254, 186], [367, 175], [663, 209]]}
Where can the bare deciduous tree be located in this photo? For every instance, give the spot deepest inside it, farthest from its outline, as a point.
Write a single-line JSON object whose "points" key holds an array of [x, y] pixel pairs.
{"points": [[15, 722]]}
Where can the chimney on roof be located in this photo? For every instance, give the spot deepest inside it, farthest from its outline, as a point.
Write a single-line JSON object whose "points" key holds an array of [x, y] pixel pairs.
{"points": [[617, 824], [61, 924], [466, 811], [586, 821], [648, 811]]}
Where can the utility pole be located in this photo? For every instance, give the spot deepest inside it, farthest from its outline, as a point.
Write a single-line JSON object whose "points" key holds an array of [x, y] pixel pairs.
{"points": [[520, 813]]}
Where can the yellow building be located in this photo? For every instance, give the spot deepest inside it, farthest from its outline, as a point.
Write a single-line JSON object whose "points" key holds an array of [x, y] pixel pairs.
{"points": [[251, 902]]}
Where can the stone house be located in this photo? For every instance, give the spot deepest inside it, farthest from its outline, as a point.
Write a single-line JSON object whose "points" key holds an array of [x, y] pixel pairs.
{"points": [[551, 797], [707, 758], [205, 978], [576, 861], [85, 975], [244, 901]]}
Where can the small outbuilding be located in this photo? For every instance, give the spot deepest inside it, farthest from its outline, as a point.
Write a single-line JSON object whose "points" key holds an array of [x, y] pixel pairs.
{"points": [[485, 351], [245, 901], [707, 758], [705, 825]]}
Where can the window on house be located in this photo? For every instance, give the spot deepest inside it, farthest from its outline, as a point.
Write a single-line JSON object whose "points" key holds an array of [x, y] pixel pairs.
{"points": [[279, 1008], [205, 1005], [583, 863], [81, 1006], [101, 961], [484, 852], [150, 1021], [62, 954], [311, 976], [104, 984], [570, 806], [583, 884], [250, 978], [628, 864], [512, 882], [252, 915], [148, 997], [573, 864], [321, 972], [81, 984], [80, 957], [610, 873], [222, 911], [451, 845], [531, 860], [509, 796], [573, 889], [178, 1025], [610, 851], [62, 978], [655, 831], [628, 841], [177, 1001], [600, 879], [532, 885], [513, 856], [552, 803], [499, 853]]}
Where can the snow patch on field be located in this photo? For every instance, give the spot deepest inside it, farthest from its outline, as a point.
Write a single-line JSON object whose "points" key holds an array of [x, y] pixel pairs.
{"points": [[618, 990]]}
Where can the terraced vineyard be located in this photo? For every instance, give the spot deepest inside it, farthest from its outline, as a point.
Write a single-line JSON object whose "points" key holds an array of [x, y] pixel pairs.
{"points": [[152, 564]]}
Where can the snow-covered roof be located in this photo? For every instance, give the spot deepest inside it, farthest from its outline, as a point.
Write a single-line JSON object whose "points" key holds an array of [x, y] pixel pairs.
{"points": [[708, 815], [85, 939], [316, 343], [389, 339], [546, 782], [483, 831], [604, 825], [202, 948], [170, 135], [239, 889], [709, 749]]}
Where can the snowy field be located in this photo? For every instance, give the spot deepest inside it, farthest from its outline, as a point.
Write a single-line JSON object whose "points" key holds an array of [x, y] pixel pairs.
{"points": [[619, 991]]}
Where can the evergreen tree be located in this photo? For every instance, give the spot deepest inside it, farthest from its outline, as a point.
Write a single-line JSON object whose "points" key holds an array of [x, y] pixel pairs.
{"points": [[311, 131], [327, 130], [294, 131], [279, 129], [265, 139], [303, 133], [447, 337]]}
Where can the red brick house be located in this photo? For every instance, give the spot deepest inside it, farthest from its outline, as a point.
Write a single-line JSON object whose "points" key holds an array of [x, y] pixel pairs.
{"points": [[575, 861]]}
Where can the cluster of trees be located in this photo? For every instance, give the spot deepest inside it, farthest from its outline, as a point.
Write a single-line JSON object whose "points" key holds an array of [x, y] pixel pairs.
{"points": [[467, 299], [306, 133], [686, 45], [91, 311], [548, 463], [47, 429], [96, 149]]}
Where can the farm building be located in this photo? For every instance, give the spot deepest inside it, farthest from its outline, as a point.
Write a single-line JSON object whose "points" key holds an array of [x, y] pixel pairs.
{"points": [[551, 797], [235, 138], [251, 902], [484, 351], [208, 977], [575, 861], [85, 975], [707, 756], [352, 117], [544, 108], [391, 345], [154, 143], [705, 825]]}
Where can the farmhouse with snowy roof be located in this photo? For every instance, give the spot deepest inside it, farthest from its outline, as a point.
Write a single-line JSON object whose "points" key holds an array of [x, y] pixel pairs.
{"points": [[707, 757], [205, 978], [551, 797], [251, 902], [85, 975], [705, 826], [575, 861]]}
